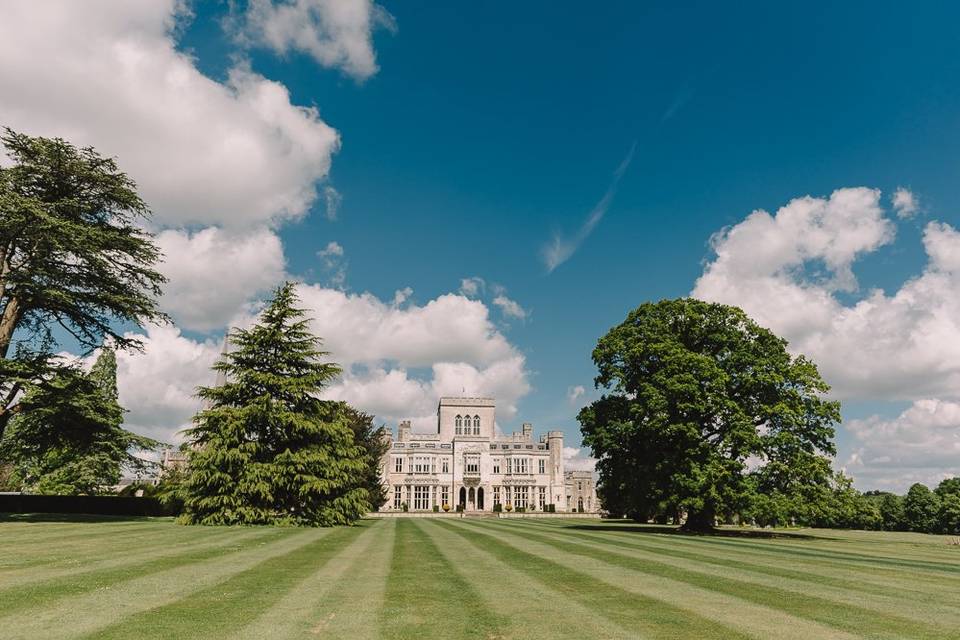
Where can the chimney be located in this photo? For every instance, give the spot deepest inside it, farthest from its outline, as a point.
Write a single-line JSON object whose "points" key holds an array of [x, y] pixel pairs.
{"points": [[403, 433], [527, 431]]}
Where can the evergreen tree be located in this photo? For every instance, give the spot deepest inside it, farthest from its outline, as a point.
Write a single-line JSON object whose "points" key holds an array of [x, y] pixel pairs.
{"points": [[375, 445], [267, 450], [73, 255], [68, 436]]}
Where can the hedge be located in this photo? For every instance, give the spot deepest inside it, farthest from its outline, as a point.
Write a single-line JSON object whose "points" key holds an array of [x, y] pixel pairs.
{"points": [[91, 505]]}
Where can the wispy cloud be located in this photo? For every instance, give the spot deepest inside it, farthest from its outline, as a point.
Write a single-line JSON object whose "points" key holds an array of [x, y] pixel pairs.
{"points": [[559, 250], [679, 101]]}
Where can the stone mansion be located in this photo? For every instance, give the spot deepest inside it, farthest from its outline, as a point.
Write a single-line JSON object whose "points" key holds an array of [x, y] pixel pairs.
{"points": [[466, 464]]}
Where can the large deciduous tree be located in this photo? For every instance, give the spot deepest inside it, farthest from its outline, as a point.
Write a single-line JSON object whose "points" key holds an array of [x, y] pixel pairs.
{"points": [[267, 450], [73, 256], [69, 438], [704, 408]]}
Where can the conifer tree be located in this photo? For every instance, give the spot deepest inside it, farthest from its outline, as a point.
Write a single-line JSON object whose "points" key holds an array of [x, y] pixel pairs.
{"points": [[267, 450], [372, 440], [68, 437]]}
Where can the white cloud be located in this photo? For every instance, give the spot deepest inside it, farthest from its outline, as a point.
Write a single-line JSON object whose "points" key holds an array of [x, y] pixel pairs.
{"points": [[158, 386], [107, 74], [335, 33], [472, 287], [904, 203], [899, 346], [212, 272], [575, 393], [361, 328], [332, 199], [510, 308], [399, 360], [334, 264], [559, 249], [922, 444], [578, 459], [903, 346]]}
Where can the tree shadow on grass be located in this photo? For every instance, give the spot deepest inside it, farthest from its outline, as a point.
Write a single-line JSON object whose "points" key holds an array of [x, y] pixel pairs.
{"points": [[761, 534], [74, 517]]}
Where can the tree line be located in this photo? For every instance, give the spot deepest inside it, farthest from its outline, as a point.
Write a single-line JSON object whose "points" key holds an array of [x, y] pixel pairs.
{"points": [[78, 267]]}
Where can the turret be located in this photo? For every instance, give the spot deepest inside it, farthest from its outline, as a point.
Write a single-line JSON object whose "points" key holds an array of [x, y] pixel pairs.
{"points": [[527, 431], [403, 431], [557, 486]]}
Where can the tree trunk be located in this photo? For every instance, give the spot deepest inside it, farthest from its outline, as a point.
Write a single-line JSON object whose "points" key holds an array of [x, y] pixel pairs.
{"points": [[8, 324], [700, 521]]}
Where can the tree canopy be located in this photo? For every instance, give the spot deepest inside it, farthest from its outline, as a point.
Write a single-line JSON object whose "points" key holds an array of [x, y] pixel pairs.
{"points": [[704, 409], [267, 449], [74, 256], [69, 439]]}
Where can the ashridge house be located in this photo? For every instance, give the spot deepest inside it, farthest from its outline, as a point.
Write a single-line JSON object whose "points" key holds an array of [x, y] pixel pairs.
{"points": [[465, 465]]}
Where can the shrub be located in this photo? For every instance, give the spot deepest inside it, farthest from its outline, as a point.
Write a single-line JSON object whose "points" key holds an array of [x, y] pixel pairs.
{"points": [[459, 508], [405, 506], [436, 509], [552, 508], [497, 507]]}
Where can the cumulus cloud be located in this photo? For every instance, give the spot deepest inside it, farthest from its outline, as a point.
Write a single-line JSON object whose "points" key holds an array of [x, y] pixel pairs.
{"points": [[335, 33], [213, 272], [904, 203], [561, 248], [108, 74], [158, 386], [922, 444], [902, 346], [578, 459], [786, 271], [398, 360]]}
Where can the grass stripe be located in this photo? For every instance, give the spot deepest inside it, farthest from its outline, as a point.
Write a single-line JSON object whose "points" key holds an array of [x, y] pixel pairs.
{"points": [[223, 608], [80, 564], [528, 601], [766, 576], [702, 601], [424, 593], [886, 575], [295, 614], [86, 613], [352, 610], [824, 573], [623, 603], [867, 623]]}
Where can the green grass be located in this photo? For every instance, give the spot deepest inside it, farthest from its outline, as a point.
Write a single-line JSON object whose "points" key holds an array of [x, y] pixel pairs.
{"points": [[486, 579]]}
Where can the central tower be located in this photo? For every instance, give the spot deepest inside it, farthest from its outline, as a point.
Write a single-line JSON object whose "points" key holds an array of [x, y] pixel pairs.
{"points": [[465, 418]]}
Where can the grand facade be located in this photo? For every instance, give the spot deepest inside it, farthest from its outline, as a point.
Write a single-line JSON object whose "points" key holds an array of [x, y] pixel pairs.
{"points": [[466, 465]]}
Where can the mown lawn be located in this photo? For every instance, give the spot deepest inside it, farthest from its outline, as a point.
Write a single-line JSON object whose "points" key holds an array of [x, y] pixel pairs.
{"points": [[486, 579]]}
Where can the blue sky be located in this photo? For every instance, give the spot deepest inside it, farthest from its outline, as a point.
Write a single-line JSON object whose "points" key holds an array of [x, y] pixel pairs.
{"points": [[488, 129], [485, 132]]}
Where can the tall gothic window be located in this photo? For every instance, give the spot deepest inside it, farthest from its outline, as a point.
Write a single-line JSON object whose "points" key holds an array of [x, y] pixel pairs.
{"points": [[476, 425], [459, 423]]}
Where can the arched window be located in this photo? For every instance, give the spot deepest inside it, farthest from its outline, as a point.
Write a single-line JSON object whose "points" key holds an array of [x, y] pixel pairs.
{"points": [[476, 425], [458, 421]]}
